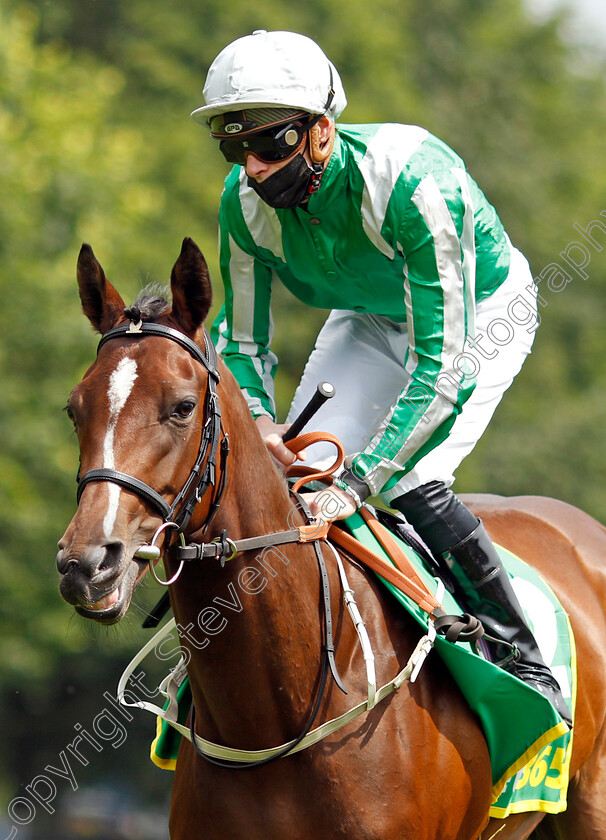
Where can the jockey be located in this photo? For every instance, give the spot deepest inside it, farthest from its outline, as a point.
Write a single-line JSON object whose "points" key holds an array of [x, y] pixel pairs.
{"points": [[433, 310]]}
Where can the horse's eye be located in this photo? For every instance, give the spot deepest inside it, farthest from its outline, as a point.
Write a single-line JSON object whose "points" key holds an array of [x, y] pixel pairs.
{"points": [[70, 413], [184, 409]]}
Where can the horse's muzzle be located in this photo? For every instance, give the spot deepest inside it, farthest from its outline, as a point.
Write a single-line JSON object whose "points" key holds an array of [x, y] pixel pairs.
{"points": [[96, 580]]}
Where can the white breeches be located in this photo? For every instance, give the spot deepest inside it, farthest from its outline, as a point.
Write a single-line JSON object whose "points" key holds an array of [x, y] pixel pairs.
{"points": [[363, 357]]}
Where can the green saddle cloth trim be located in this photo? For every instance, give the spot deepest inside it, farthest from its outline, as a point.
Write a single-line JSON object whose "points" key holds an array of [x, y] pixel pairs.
{"points": [[529, 753]]}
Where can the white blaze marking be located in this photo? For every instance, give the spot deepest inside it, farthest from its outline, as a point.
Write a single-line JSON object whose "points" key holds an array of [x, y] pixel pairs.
{"points": [[120, 386]]}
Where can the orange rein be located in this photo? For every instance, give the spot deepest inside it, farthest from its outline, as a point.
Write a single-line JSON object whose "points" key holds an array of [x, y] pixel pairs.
{"points": [[402, 574]]}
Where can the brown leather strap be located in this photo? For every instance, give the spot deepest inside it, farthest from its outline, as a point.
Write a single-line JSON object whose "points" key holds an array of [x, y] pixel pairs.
{"points": [[402, 575], [223, 548], [393, 550], [299, 443], [419, 594]]}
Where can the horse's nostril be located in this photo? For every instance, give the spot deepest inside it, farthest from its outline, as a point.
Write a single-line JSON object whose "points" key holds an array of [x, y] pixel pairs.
{"points": [[93, 561], [113, 555], [64, 562]]}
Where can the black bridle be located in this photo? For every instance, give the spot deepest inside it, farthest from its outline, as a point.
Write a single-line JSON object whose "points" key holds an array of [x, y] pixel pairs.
{"points": [[204, 472]]}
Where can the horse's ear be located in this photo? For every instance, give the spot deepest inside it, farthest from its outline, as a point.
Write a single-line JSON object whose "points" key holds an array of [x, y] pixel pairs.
{"points": [[101, 303], [190, 287]]}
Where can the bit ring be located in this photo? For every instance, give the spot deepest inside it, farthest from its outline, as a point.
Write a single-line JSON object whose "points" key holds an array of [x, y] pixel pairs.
{"points": [[151, 563]]}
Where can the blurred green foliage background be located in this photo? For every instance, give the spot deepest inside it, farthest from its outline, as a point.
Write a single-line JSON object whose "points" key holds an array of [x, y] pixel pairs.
{"points": [[96, 146]]}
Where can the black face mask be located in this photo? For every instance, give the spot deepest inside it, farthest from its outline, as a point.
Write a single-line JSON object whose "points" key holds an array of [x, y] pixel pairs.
{"points": [[287, 187]]}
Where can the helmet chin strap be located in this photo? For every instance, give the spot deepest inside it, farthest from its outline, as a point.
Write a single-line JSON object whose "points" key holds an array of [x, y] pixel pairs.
{"points": [[319, 152]]}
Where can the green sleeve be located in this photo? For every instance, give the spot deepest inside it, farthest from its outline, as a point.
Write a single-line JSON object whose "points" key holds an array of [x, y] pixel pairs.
{"points": [[242, 331], [435, 232]]}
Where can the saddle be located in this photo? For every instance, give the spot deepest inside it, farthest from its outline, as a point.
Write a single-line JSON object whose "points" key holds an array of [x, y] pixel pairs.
{"points": [[401, 573]]}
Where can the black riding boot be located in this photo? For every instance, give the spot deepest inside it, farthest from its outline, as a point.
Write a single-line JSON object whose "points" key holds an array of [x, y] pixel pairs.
{"points": [[458, 539]]}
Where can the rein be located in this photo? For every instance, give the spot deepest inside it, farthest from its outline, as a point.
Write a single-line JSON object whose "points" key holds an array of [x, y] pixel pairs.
{"points": [[328, 649]]}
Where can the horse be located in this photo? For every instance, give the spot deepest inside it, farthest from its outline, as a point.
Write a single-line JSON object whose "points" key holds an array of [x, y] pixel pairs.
{"points": [[169, 451]]}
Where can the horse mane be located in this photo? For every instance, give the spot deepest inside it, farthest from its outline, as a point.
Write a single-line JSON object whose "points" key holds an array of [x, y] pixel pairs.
{"points": [[152, 302]]}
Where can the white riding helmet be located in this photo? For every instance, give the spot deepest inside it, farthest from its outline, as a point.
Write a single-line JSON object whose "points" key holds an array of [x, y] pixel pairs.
{"points": [[279, 69]]}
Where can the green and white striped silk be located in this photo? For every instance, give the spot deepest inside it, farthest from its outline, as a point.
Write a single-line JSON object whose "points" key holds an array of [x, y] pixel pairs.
{"points": [[399, 229]]}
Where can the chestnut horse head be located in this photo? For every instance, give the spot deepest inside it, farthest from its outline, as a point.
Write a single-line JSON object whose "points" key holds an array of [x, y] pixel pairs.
{"points": [[138, 415]]}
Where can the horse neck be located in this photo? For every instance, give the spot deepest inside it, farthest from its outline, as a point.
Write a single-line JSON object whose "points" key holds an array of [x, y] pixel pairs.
{"points": [[255, 622], [256, 499]]}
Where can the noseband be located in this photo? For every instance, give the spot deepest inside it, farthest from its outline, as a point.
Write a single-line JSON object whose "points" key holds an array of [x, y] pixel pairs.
{"points": [[204, 472]]}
